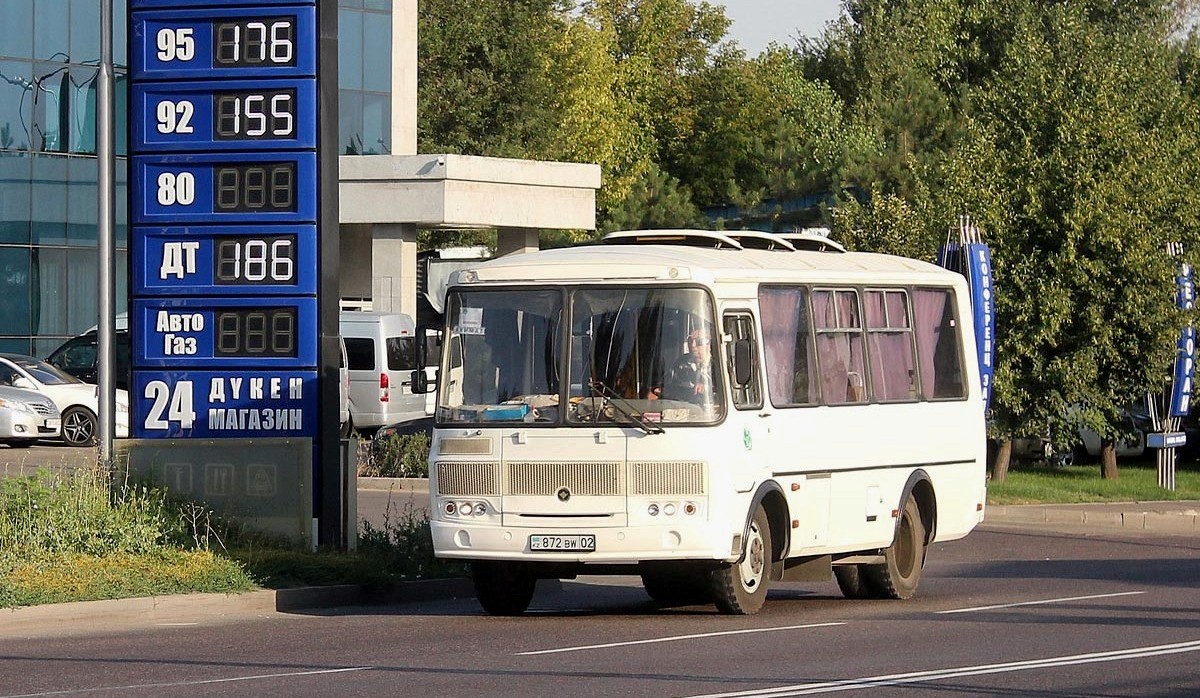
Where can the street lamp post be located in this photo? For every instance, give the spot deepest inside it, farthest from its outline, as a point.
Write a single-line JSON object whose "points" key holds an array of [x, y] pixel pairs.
{"points": [[106, 162]]}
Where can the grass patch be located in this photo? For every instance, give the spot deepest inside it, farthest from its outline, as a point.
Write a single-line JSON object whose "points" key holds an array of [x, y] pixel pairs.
{"points": [[66, 577], [1079, 484], [78, 536]]}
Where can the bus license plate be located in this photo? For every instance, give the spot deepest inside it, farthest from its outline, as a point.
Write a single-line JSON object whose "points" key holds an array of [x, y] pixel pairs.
{"points": [[585, 543]]}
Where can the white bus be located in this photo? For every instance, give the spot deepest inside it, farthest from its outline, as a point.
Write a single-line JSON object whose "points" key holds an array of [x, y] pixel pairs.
{"points": [[712, 412]]}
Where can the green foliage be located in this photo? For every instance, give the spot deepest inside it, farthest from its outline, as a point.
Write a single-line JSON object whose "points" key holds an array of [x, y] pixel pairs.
{"points": [[401, 455]]}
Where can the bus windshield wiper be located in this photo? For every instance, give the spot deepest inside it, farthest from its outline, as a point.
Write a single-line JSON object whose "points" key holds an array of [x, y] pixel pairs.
{"points": [[625, 409]]}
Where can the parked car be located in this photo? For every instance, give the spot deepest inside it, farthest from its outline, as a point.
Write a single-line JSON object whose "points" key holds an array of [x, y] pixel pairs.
{"points": [[26, 416], [79, 355], [77, 401]]}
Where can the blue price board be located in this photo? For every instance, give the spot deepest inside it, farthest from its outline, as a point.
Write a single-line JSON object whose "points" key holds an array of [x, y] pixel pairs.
{"points": [[258, 42], [238, 404], [224, 188], [225, 260], [226, 268], [233, 332], [203, 116]]}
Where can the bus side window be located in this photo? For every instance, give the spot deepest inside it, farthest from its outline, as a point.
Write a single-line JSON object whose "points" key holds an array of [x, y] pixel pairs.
{"points": [[938, 340], [739, 326]]}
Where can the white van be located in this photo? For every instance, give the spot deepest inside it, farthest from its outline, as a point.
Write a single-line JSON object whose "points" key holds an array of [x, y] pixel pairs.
{"points": [[381, 356]]}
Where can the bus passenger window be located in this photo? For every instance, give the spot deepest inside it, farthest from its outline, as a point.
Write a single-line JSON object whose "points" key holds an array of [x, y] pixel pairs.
{"points": [[938, 341], [787, 346], [839, 346]]}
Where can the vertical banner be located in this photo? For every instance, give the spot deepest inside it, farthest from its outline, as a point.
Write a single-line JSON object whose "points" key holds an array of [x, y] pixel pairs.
{"points": [[1185, 356], [971, 257], [979, 275]]}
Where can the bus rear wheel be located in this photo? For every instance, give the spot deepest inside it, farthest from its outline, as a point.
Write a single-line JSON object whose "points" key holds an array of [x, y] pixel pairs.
{"points": [[898, 576], [740, 588], [502, 588]]}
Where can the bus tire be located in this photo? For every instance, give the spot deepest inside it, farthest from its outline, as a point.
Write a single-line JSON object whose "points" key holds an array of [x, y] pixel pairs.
{"points": [[898, 576], [740, 588], [677, 587], [502, 588], [852, 580]]}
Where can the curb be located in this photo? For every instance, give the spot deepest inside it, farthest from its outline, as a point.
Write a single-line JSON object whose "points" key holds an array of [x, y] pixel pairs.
{"points": [[82, 617], [1164, 517], [386, 484]]}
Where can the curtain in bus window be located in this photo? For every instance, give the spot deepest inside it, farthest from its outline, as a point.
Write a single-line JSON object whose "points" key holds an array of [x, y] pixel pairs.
{"points": [[889, 337], [839, 346], [785, 335], [937, 344]]}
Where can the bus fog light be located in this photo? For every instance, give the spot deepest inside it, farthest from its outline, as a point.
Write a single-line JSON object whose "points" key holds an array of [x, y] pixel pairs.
{"points": [[652, 510], [480, 509], [669, 509], [465, 509], [450, 508], [689, 508]]}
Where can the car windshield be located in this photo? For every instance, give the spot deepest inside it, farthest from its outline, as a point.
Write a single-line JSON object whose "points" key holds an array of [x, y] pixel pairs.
{"points": [[631, 356], [43, 372]]}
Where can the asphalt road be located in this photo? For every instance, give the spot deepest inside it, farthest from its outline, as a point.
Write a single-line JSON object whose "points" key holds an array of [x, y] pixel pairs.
{"points": [[1005, 612]]}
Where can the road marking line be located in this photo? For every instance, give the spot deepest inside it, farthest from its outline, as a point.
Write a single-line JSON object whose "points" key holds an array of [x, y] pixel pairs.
{"points": [[200, 682], [940, 674], [1042, 602], [674, 638]]}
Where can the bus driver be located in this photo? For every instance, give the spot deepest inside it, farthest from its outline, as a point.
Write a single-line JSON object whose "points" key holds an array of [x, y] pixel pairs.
{"points": [[691, 377]]}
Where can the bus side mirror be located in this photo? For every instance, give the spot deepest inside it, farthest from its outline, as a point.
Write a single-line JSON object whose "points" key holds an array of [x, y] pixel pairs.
{"points": [[743, 362], [420, 382]]}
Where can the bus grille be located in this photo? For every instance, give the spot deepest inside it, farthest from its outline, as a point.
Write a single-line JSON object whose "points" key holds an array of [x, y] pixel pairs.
{"points": [[545, 479], [466, 479], [469, 446], [667, 478]]}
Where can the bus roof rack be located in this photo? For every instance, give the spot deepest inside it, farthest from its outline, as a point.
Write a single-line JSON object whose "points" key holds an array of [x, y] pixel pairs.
{"points": [[813, 241], [758, 240], [689, 238]]}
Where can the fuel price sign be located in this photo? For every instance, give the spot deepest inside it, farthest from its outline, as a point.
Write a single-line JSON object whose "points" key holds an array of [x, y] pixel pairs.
{"points": [[237, 42], [207, 116], [205, 260], [224, 204], [267, 187]]}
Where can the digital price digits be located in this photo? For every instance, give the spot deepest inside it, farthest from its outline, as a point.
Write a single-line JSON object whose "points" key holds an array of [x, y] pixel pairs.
{"points": [[249, 188], [246, 332], [255, 42], [249, 261]]}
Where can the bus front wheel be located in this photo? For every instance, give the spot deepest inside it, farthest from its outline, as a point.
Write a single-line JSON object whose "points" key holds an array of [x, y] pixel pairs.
{"points": [[740, 588], [900, 572], [502, 588]]}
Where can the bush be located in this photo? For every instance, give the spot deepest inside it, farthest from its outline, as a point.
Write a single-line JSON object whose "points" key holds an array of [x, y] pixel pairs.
{"points": [[402, 455], [405, 545]]}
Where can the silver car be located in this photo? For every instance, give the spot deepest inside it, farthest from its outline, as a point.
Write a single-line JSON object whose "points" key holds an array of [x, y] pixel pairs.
{"points": [[26, 416]]}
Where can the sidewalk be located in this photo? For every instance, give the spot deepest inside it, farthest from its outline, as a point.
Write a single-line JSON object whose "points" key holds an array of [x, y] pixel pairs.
{"points": [[1181, 517]]}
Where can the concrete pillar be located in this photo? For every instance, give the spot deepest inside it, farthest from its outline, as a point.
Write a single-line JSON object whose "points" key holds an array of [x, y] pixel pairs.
{"points": [[394, 268], [354, 244], [404, 77], [511, 240]]}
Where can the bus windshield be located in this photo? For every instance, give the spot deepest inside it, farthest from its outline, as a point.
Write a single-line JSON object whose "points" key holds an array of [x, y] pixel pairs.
{"points": [[628, 356]]}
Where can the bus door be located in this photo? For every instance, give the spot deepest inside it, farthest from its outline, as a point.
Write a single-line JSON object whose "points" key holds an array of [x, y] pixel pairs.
{"points": [[747, 419]]}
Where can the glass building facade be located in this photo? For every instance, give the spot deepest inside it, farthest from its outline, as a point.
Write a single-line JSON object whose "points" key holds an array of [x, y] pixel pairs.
{"points": [[49, 53]]}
